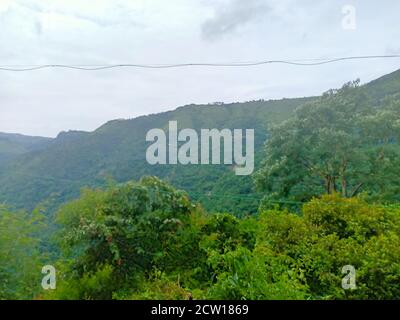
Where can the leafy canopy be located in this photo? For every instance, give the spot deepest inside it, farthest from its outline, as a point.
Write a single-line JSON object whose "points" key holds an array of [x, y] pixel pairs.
{"points": [[340, 143]]}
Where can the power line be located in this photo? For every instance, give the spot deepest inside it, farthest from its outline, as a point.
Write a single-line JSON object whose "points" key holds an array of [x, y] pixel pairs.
{"points": [[303, 62]]}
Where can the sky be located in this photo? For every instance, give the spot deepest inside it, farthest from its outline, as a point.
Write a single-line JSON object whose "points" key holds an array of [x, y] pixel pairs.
{"points": [[103, 32]]}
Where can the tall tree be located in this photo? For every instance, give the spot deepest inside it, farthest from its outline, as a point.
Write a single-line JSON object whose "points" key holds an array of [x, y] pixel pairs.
{"points": [[340, 143]]}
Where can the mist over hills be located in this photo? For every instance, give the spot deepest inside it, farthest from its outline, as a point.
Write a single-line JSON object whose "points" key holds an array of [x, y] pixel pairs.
{"points": [[34, 169]]}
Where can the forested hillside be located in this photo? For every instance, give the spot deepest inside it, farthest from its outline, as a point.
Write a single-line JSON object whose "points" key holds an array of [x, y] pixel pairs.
{"points": [[116, 150], [14, 145], [324, 195]]}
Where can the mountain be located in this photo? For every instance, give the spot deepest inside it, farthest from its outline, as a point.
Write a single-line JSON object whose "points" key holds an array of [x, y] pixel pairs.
{"points": [[384, 86], [13, 145], [117, 150]]}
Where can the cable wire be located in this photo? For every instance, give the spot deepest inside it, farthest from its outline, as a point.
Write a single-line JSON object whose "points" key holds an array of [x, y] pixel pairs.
{"points": [[311, 62]]}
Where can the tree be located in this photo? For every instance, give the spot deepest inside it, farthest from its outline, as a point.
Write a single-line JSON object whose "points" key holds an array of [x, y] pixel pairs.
{"points": [[339, 144], [20, 259], [113, 237], [147, 241]]}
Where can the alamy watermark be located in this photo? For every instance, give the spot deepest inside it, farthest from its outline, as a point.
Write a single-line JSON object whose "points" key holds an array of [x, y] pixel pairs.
{"points": [[349, 21], [349, 280], [183, 147], [49, 280]]}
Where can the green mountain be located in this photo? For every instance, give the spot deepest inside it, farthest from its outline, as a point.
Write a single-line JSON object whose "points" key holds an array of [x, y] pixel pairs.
{"points": [[384, 86], [13, 145], [117, 150]]}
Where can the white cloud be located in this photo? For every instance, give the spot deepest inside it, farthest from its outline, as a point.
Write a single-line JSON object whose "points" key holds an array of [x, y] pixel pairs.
{"points": [[157, 31], [231, 15]]}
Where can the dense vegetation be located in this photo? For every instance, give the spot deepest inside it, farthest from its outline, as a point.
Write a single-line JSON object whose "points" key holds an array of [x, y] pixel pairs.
{"points": [[341, 143], [327, 197], [148, 241], [117, 149], [20, 254], [77, 159]]}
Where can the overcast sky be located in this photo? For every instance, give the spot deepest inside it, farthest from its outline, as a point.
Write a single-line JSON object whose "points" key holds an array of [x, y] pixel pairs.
{"points": [[83, 32]]}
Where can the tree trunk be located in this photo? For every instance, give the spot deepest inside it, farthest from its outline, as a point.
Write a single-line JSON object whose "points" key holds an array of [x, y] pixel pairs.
{"points": [[356, 189], [344, 187]]}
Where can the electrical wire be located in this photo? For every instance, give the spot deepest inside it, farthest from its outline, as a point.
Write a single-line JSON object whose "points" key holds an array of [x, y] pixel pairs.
{"points": [[304, 62]]}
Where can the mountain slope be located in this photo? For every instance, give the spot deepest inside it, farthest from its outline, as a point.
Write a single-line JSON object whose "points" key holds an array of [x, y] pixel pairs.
{"points": [[384, 86], [13, 145], [118, 148]]}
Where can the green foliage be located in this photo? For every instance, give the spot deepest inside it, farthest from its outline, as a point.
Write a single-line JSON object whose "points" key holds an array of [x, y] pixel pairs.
{"points": [[158, 287], [131, 228], [147, 241], [338, 155], [334, 232], [20, 259], [339, 143]]}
